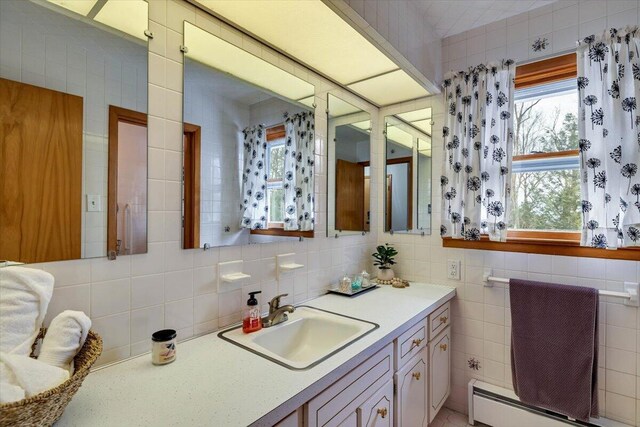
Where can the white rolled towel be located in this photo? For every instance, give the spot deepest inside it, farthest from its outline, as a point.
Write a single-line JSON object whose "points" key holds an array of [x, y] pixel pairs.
{"points": [[30, 375], [65, 337], [24, 297]]}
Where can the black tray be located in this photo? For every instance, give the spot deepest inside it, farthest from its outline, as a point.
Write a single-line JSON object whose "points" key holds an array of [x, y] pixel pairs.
{"points": [[360, 291]]}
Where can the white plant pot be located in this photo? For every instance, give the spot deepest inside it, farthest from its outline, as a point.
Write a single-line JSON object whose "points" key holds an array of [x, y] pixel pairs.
{"points": [[385, 274]]}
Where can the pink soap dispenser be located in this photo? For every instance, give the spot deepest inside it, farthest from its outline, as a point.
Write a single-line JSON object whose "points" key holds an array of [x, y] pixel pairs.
{"points": [[251, 320]]}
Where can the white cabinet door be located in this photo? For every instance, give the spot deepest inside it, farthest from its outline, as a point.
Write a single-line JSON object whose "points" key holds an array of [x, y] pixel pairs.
{"points": [[350, 421], [412, 405], [378, 410], [439, 371], [292, 420]]}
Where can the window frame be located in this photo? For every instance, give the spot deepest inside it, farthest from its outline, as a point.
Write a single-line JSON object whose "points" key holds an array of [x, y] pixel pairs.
{"points": [[548, 242]]}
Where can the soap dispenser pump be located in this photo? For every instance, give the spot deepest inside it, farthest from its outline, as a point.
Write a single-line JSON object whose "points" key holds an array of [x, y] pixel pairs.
{"points": [[251, 320]]}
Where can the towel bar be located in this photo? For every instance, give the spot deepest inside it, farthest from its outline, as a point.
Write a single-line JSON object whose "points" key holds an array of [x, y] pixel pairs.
{"points": [[630, 294]]}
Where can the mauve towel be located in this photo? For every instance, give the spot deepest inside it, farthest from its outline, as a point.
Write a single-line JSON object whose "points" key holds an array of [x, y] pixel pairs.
{"points": [[554, 347]]}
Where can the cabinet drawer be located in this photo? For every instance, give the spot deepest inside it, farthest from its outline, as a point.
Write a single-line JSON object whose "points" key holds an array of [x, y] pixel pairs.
{"points": [[333, 406], [378, 410], [438, 320], [410, 343], [439, 371]]}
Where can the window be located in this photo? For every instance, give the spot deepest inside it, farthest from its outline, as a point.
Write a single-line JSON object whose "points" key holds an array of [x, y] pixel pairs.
{"points": [[545, 187], [275, 177], [545, 193], [275, 190]]}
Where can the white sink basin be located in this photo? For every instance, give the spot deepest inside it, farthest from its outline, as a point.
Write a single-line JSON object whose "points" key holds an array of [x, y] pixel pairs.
{"points": [[309, 336]]}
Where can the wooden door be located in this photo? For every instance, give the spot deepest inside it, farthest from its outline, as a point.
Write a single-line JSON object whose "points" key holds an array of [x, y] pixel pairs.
{"points": [[367, 203], [123, 220], [40, 174], [378, 410], [191, 219], [439, 371], [349, 196], [412, 405]]}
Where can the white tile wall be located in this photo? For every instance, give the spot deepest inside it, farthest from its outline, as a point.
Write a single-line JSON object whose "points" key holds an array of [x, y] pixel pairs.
{"points": [[561, 23], [170, 287], [481, 322]]}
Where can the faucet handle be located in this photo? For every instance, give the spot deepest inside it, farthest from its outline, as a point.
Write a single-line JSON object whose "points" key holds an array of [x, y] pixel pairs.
{"points": [[274, 304]]}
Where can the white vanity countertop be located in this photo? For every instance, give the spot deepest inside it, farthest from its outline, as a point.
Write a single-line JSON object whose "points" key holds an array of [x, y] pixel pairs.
{"points": [[216, 383]]}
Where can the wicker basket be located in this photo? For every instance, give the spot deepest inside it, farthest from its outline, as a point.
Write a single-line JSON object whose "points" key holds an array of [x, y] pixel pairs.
{"points": [[45, 408]]}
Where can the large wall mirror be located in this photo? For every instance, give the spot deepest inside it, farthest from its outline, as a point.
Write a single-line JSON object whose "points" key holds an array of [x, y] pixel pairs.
{"points": [[73, 136], [248, 147], [348, 169], [407, 188]]}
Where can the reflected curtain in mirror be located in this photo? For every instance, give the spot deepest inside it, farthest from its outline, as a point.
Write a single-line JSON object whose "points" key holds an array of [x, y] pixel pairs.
{"points": [[299, 172]]}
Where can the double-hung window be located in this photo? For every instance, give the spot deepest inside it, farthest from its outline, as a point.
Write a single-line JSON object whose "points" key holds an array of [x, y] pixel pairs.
{"points": [[275, 178], [545, 214]]}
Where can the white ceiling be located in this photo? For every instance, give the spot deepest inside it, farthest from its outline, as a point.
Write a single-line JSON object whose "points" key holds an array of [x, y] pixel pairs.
{"points": [[453, 17]]}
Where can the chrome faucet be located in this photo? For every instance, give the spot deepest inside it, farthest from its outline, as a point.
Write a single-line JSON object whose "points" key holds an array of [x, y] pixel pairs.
{"points": [[277, 314]]}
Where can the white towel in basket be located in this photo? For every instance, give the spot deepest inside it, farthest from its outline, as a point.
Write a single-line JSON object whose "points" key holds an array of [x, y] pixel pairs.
{"points": [[65, 337], [30, 375], [24, 297]]}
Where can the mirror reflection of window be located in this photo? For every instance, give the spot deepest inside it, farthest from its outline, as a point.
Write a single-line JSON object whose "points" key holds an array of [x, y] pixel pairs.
{"points": [[251, 179], [83, 60], [349, 180], [408, 172]]}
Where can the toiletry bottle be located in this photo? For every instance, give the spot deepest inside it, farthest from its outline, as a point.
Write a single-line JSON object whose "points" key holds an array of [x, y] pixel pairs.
{"points": [[251, 321]]}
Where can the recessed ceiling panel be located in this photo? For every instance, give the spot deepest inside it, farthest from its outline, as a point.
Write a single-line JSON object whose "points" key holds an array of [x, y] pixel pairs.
{"points": [[395, 134], [82, 7], [128, 16], [310, 32], [338, 107], [389, 88], [210, 50]]}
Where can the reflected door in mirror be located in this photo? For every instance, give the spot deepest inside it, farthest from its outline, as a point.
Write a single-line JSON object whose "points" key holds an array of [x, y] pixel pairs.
{"points": [[350, 213], [127, 196], [40, 173]]}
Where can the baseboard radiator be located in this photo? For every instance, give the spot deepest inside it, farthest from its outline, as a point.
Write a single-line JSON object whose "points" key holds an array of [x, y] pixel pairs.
{"points": [[499, 407]]}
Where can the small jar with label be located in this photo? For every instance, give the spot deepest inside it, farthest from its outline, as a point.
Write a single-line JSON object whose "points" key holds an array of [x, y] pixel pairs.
{"points": [[163, 348]]}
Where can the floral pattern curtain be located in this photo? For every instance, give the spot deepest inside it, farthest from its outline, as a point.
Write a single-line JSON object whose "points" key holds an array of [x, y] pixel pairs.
{"points": [[478, 142], [609, 144], [299, 159], [254, 179]]}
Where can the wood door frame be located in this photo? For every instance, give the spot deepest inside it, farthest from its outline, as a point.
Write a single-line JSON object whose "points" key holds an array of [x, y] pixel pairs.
{"points": [[116, 115], [191, 187], [409, 161]]}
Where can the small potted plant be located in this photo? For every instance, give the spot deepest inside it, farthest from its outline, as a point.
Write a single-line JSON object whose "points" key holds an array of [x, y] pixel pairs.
{"points": [[384, 259]]}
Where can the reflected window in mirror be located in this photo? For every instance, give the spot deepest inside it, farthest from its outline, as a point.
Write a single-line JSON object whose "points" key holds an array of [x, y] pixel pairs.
{"points": [[349, 177], [249, 178], [407, 193], [64, 72]]}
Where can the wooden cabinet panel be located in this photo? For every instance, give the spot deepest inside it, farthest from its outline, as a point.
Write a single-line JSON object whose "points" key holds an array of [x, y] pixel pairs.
{"points": [[40, 173], [350, 421], [295, 419], [412, 405], [439, 371], [378, 410]]}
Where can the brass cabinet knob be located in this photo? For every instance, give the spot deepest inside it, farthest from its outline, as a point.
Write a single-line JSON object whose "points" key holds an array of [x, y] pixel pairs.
{"points": [[416, 375], [416, 342], [443, 319], [443, 347], [382, 412]]}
